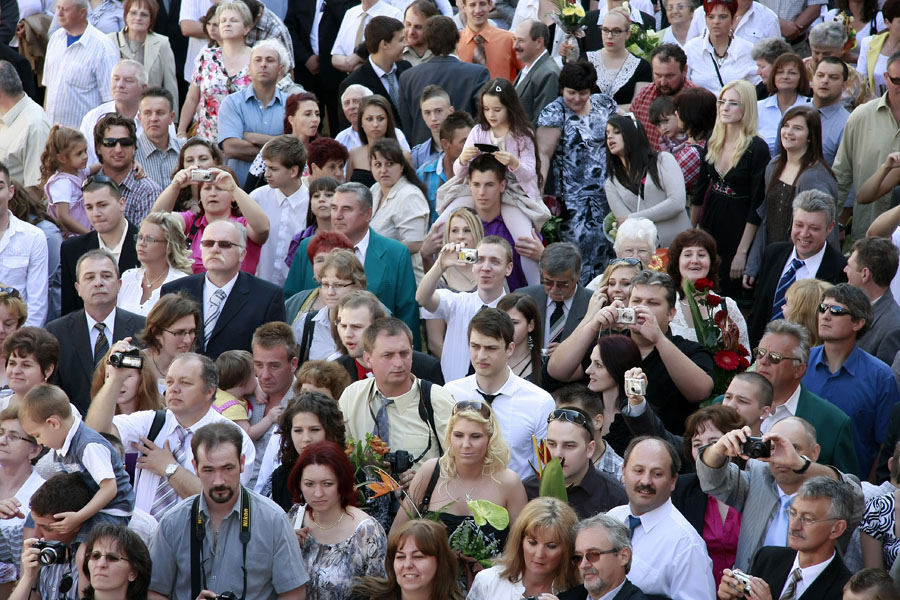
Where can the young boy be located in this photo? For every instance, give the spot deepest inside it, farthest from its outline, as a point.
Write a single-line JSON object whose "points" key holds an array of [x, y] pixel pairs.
{"points": [[578, 395], [435, 105], [285, 201], [237, 381], [46, 415], [673, 140], [451, 137]]}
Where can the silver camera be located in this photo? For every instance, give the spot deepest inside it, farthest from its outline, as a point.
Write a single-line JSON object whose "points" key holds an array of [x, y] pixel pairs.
{"points": [[625, 316], [468, 255], [201, 175], [743, 581], [635, 386]]}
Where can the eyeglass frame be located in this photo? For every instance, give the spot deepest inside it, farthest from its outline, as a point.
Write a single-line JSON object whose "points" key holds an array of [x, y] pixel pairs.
{"points": [[835, 311], [577, 558], [774, 357], [222, 244], [562, 286], [807, 522], [612, 32], [15, 437], [628, 261], [105, 142], [479, 406], [138, 238], [111, 557], [336, 286], [182, 332]]}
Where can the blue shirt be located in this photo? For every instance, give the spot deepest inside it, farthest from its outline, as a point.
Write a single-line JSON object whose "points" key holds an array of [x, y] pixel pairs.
{"points": [[834, 118], [240, 112], [865, 389], [432, 175], [424, 153]]}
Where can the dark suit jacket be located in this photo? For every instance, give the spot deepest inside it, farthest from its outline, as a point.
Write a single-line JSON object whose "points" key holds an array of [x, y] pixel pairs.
{"points": [[773, 564], [461, 80], [882, 473], [168, 24], [365, 75], [774, 259], [76, 365], [251, 303], [72, 249], [424, 366], [576, 311], [539, 87], [593, 38], [690, 500], [299, 20], [629, 591], [883, 338]]}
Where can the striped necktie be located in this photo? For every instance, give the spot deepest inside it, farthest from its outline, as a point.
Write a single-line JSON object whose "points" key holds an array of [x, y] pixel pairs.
{"points": [[165, 493], [101, 346], [557, 322], [790, 593], [789, 277], [215, 307]]}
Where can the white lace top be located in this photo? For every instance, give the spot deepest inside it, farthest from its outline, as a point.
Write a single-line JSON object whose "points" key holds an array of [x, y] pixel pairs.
{"points": [[679, 325], [611, 80]]}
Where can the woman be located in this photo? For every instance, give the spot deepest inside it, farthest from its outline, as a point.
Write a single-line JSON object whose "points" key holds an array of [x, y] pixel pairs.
{"points": [[138, 42], [789, 87], [137, 392], [13, 314], [161, 251], [375, 121], [537, 558], [718, 57], [525, 360], [572, 131], [171, 328], [32, 354], [730, 188], [642, 182], [117, 564], [615, 283], [611, 358], [695, 110], [400, 208], [765, 52], [319, 247], [419, 565], [866, 19], [32, 210], [195, 153], [680, 13], [874, 50], [878, 536], [830, 39], [801, 303], [620, 73], [693, 256], [637, 238], [220, 199], [341, 542]]}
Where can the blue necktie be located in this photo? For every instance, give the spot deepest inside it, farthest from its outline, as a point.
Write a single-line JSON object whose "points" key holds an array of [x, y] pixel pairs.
{"points": [[382, 428], [778, 529], [633, 523], [789, 277]]}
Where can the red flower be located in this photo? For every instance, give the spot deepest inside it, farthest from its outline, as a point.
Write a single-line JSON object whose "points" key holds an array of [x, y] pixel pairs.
{"points": [[713, 300], [703, 284], [743, 351], [727, 359], [721, 319], [743, 363]]}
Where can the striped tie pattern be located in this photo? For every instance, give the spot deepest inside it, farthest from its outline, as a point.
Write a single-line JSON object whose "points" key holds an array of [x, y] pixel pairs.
{"points": [[789, 277], [557, 322], [382, 427], [101, 346], [165, 493], [215, 307], [393, 88], [790, 592]]}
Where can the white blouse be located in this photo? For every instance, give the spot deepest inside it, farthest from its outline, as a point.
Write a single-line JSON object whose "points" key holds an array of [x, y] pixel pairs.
{"points": [[131, 291], [679, 325], [701, 63]]}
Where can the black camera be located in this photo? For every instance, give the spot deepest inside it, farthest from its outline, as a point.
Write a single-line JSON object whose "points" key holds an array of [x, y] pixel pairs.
{"points": [[52, 553], [399, 461], [127, 360], [227, 596], [755, 447]]}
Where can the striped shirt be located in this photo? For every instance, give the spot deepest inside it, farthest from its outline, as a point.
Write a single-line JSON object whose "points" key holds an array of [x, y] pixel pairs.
{"points": [[139, 194], [159, 164], [77, 76], [270, 27]]}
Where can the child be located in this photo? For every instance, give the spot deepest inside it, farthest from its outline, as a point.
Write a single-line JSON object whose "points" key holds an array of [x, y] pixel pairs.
{"points": [[318, 217], [63, 169], [674, 140], [502, 122], [453, 134], [46, 415], [236, 382], [435, 105]]}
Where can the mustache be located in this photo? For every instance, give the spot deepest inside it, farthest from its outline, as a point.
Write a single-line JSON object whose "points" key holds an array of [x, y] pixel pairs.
{"points": [[645, 488]]}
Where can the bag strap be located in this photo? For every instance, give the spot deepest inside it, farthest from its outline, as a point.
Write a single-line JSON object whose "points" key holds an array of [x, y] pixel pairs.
{"points": [[195, 225], [306, 342], [429, 490], [426, 411], [716, 67], [159, 419], [196, 532]]}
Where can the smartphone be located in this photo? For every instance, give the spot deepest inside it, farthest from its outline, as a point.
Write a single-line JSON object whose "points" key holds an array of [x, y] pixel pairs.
{"points": [[487, 147]]}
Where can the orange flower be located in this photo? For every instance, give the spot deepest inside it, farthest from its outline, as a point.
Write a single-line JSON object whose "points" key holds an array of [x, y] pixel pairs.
{"points": [[384, 487]]}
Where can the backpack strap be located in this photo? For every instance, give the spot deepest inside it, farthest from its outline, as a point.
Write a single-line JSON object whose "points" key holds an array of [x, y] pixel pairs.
{"points": [[429, 490], [426, 411]]}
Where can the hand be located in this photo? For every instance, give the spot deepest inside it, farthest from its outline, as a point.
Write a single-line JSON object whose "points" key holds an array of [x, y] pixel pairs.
{"points": [[605, 318], [506, 159], [636, 373], [223, 180], [273, 413], [405, 478], [598, 300], [738, 263], [565, 48], [152, 457], [748, 282], [467, 154], [892, 161], [449, 256], [206, 595], [730, 444], [433, 240], [138, 170], [30, 565], [301, 534], [550, 348], [354, 61], [68, 522], [646, 325], [530, 247], [789, 29], [9, 509], [783, 453], [312, 64], [182, 178], [759, 589], [728, 586]]}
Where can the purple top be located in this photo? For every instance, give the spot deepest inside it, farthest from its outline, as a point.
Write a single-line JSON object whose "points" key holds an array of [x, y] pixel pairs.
{"points": [[251, 260], [516, 279]]}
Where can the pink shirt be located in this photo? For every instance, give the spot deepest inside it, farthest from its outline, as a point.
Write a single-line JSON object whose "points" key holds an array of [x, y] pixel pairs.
{"points": [[721, 538], [250, 261]]}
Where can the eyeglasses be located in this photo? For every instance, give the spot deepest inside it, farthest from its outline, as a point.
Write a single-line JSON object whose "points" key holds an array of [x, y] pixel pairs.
{"points": [[102, 179], [138, 238], [793, 515], [835, 310], [631, 262], [560, 285], [126, 142], [110, 557], [10, 291], [334, 286], [675, 7], [728, 103], [223, 244], [475, 405], [183, 332], [572, 416], [612, 32], [774, 357], [592, 556], [12, 436]]}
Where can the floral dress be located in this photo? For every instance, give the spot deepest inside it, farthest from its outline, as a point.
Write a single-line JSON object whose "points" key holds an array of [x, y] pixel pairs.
{"points": [[215, 84], [577, 174]]}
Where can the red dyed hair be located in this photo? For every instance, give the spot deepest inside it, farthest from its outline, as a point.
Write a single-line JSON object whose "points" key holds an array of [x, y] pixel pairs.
{"points": [[327, 454], [292, 105], [323, 149], [730, 6], [327, 241]]}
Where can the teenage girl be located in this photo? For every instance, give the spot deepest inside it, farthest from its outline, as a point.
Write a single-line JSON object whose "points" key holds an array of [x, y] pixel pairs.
{"points": [[63, 169]]}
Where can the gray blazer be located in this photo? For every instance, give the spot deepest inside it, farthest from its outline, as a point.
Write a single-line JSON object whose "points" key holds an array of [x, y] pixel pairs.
{"points": [[882, 340], [159, 62], [576, 311], [539, 87]]}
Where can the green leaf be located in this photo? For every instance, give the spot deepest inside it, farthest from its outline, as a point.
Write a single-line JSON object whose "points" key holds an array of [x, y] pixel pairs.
{"points": [[699, 323], [484, 511], [553, 482]]}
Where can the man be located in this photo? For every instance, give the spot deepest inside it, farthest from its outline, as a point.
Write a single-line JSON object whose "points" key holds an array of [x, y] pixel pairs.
{"points": [[561, 299], [570, 438], [809, 567], [128, 81], [86, 335], [795, 19], [871, 268], [251, 117], [806, 256], [404, 411], [669, 65], [24, 129], [23, 254], [575, 395], [521, 408], [483, 44], [436, 107], [387, 262], [115, 137], [233, 303], [381, 71], [860, 153], [605, 544], [538, 82], [461, 80], [235, 524], [669, 555], [105, 208], [850, 378], [417, 13], [269, 26], [871, 584], [352, 32], [763, 492], [678, 370], [157, 146], [750, 394], [349, 137], [166, 472], [77, 66], [20, 64], [828, 85], [453, 134]]}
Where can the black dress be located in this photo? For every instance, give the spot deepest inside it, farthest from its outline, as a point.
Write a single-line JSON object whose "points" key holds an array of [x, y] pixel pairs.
{"points": [[620, 83], [363, 176]]}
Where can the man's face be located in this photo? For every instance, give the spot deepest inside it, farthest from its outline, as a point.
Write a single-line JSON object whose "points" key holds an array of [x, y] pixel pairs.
{"points": [[265, 66], [800, 440], [486, 190], [809, 230], [156, 116], [488, 354], [477, 12], [743, 396], [6, 192], [568, 442], [393, 50], [350, 105], [124, 85], [274, 370], [786, 375], [493, 266], [654, 298], [98, 284], [607, 571], [892, 75], [667, 76], [414, 28], [42, 529], [823, 532], [455, 147], [526, 48], [559, 287], [434, 111], [119, 156], [349, 217], [352, 322], [186, 393], [648, 477], [278, 175], [853, 271], [837, 328], [219, 469], [104, 211], [70, 14], [390, 359], [218, 259], [828, 82]]}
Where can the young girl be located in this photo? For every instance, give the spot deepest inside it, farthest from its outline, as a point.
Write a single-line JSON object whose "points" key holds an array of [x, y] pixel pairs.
{"points": [[318, 215], [63, 169], [502, 122], [236, 383]]}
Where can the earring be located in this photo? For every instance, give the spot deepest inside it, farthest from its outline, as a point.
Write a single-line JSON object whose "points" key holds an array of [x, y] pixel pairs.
{"points": [[530, 341]]}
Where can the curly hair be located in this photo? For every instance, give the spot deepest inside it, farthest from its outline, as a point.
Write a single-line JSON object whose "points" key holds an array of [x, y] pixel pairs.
{"points": [[60, 140], [324, 408], [496, 457], [323, 374], [34, 341], [724, 418], [326, 454], [687, 239], [177, 254]]}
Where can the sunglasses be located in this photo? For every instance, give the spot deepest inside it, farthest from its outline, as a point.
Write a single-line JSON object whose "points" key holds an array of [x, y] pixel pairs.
{"points": [[126, 142], [894, 80], [560, 285], [572, 416], [10, 291], [592, 556], [223, 244], [102, 179], [837, 311], [630, 261], [774, 357], [110, 557], [474, 405]]}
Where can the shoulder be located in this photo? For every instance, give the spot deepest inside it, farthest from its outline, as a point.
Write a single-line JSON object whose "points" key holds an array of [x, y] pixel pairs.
{"points": [[265, 506], [441, 395], [757, 144], [65, 321], [355, 392], [536, 395], [816, 407], [773, 555]]}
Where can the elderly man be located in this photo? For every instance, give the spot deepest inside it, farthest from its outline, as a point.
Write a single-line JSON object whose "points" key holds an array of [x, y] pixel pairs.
{"points": [[350, 99], [77, 66], [871, 267], [669, 65], [24, 128], [538, 82]]}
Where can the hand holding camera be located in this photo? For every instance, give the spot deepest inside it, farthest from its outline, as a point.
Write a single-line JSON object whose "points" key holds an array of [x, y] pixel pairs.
{"points": [[645, 324], [125, 356], [737, 584], [635, 385], [455, 254]]}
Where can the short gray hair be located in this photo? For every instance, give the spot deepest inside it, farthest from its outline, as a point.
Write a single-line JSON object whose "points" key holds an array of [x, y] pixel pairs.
{"points": [[10, 82], [561, 257], [84, 4], [769, 49], [357, 87], [97, 253], [241, 231], [796, 331], [637, 229], [363, 194], [616, 531], [847, 503], [283, 59], [139, 71], [208, 373], [657, 279], [829, 34], [816, 201]]}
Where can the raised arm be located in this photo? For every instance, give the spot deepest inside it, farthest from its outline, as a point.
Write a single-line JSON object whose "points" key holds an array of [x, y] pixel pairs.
{"points": [[882, 181], [547, 140], [257, 221], [426, 293]]}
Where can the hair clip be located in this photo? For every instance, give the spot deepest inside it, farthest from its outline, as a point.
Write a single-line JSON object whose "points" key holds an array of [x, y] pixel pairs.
{"points": [[498, 89]]}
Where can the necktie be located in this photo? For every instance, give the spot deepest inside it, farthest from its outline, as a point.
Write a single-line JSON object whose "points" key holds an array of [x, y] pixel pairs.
{"points": [[393, 88], [778, 528], [489, 398], [382, 429], [361, 30], [633, 523], [789, 593], [789, 277], [101, 346], [479, 57], [215, 307], [557, 322], [165, 493]]}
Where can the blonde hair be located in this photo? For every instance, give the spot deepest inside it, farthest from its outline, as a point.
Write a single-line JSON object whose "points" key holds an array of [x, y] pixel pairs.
{"points": [[749, 124], [238, 7], [803, 298], [177, 254], [471, 219], [607, 273], [345, 265], [495, 459]]}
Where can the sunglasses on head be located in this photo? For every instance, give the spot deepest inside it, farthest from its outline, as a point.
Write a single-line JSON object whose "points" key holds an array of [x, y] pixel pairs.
{"points": [[110, 142], [572, 416], [102, 179], [630, 261], [835, 310], [474, 405], [10, 291]]}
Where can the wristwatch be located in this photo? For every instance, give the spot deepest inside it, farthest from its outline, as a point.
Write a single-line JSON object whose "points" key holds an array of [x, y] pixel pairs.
{"points": [[803, 469], [170, 470]]}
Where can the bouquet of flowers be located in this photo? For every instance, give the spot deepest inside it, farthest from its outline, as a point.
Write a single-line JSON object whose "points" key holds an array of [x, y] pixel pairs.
{"points": [[364, 454], [569, 16], [641, 42], [717, 332]]}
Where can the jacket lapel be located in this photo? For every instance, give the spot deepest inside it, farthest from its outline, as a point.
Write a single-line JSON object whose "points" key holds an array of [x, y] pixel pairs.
{"points": [[83, 340], [151, 49], [233, 304]]}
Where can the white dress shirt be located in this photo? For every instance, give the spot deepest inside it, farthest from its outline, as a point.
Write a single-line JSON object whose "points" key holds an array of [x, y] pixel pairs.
{"points": [[527, 68], [759, 22], [669, 556], [737, 64], [349, 138], [23, 266], [345, 42], [109, 321], [809, 575], [810, 265], [116, 250], [521, 409], [788, 409], [314, 30], [132, 290], [209, 288], [380, 73], [362, 247], [287, 217], [322, 345]]}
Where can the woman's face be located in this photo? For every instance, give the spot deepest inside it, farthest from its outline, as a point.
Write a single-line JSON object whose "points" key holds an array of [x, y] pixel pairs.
{"points": [[615, 31], [137, 19], [819, 52], [614, 141], [334, 288], [542, 553], [576, 100], [521, 326], [23, 373], [321, 205], [719, 21], [216, 201], [763, 68], [600, 379], [9, 323], [693, 263], [730, 109], [635, 249], [707, 433], [305, 122], [306, 429], [385, 171], [414, 570], [494, 111], [110, 571], [231, 26], [212, 32], [679, 11], [183, 338], [319, 486], [198, 156], [155, 251], [618, 286], [460, 232], [787, 78], [318, 261], [374, 122], [795, 134], [129, 386], [18, 451], [469, 442]]}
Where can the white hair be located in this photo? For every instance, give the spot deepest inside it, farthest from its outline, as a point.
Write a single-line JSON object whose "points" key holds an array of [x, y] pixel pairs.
{"points": [[279, 49], [640, 229], [139, 71], [356, 87]]}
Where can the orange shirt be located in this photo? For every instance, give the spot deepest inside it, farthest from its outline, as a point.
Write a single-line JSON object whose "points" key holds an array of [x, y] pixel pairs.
{"points": [[498, 50]]}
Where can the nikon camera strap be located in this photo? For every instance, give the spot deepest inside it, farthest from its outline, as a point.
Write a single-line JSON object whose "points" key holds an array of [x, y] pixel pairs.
{"points": [[198, 533]]}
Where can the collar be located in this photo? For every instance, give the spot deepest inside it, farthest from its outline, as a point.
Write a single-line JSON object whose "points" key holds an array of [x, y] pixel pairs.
{"points": [[849, 365], [15, 224], [15, 111], [811, 572], [379, 71], [435, 166], [551, 303], [249, 93], [507, 389], [832, 108], [611, 594], [109, 321], [814, 260], [117, 249], [210, 287], [295, 200], [363, 244], [235, 509], [148, 147], [64, 451], [403, 401], [651, 519], [535, 61], [466, 35], [793, 401]]}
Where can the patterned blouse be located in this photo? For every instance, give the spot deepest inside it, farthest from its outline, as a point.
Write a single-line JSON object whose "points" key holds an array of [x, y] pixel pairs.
{"points": [[215, 84], [878, 521]]}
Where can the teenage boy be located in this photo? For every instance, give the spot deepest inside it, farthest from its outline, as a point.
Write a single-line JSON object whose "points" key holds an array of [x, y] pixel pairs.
{"points": [[435, 105], [285, 201], [452, 137]]}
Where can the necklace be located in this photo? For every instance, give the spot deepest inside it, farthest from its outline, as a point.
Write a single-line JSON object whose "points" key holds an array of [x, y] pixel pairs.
{"points": [[522, 360], [326, 527], [150, 284], [469, 492], [721, 58]]}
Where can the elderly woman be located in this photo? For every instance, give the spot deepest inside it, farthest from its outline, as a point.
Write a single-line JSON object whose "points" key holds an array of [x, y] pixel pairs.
{"points": [[161, 251], [571, 133], [829, 39], [171, 329], [620, 73], [874, 50], [13, 314], [718, 57], [137, 41], [788, 87], [637, 238], [679, 13], [764, 53]]}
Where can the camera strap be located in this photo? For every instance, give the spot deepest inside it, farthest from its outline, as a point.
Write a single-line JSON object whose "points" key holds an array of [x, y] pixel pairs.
{"points": [[197, 528]]}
